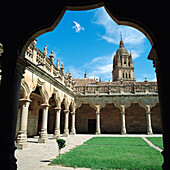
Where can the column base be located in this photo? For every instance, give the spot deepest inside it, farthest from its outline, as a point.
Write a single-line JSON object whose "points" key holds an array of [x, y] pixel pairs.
{"points": [[73, 131], [98, 133], [21, 145], [56, 134], [123, 132], [21, 141], [43, 138], [149, 133], [66, 133]]}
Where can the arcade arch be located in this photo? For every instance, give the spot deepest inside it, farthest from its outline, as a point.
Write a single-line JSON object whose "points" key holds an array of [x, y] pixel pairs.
{"points": [[43, 27]]}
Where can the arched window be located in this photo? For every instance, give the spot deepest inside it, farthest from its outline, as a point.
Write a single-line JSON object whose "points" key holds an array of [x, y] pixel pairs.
{"points": [[125, 60], [123, 75], [126, 75], [129, 75]]}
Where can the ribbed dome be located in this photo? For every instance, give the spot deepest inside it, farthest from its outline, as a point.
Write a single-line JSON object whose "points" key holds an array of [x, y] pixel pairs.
{"points": [[122, 50]]}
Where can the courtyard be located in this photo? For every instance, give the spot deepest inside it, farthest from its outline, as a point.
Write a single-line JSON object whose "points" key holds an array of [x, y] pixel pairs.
{"points": [[95, 151]]}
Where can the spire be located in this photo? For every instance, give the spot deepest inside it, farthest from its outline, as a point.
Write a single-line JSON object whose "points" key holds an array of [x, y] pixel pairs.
{"points": [[121, 41], [85, 75]]}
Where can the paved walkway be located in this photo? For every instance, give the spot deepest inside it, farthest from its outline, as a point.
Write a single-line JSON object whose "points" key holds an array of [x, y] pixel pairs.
{"points": [[152, 145], [37, 156]]}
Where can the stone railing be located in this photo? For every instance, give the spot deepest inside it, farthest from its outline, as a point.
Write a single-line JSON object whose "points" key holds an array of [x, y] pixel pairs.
{"points": [[41, 60], [142, 88]]}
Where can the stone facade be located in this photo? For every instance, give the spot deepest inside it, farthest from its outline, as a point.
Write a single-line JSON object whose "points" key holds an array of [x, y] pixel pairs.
{"points": [[53, 102], [123, 64]]}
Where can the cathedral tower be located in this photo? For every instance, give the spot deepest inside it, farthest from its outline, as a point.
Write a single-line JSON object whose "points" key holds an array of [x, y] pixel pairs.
{"points": [[123, 65]]}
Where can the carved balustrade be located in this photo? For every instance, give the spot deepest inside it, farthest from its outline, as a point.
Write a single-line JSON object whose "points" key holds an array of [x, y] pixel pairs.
{"points": [[34, 55], [140, 88]]}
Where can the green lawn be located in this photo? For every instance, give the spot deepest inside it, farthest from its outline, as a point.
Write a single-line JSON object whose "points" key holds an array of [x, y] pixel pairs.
{"points": [[112, 152], [158, 141]]}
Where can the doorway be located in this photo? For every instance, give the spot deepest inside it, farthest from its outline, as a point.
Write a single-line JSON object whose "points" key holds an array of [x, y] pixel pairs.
{"points": [[91, 126]]}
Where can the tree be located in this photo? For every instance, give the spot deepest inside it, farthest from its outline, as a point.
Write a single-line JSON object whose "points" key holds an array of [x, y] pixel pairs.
{"points": [[61, 144]]}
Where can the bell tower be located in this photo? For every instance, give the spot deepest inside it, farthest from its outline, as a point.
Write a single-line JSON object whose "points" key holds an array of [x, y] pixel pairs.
{"points": [[123, 64]]}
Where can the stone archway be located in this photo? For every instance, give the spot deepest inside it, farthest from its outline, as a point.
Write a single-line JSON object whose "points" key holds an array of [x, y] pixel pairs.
{"points": [[85, 119], [136, 119], [156, 119], [35, 113], [14, 37], [110, 119]]}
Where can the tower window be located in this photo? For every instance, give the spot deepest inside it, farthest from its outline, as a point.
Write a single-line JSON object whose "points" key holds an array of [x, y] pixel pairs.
{"points": [[129, 75], [123, 75], [126, 75], [124, 60]]}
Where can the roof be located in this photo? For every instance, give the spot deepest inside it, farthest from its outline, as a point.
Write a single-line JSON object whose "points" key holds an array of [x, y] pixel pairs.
{"points": [[90, 82]]}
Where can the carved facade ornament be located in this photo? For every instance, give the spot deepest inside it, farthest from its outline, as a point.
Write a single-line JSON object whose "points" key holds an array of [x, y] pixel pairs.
{"points": [[45, 50]]}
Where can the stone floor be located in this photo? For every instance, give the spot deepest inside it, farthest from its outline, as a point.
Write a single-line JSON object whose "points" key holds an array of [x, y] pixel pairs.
{"points": [[37, 156]]}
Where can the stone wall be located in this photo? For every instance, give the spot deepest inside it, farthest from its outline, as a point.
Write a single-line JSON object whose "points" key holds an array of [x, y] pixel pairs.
{"points": [[84, 113], [110, 119], [156, 119], [135, 117]]}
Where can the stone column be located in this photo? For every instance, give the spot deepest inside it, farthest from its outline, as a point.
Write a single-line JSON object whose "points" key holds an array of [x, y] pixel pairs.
{"points": [[98, 132], [66, 130], [73, 130], [12, 74], [123, 130], [149, 127], [43, 134], [21, 141], [57, 123]]}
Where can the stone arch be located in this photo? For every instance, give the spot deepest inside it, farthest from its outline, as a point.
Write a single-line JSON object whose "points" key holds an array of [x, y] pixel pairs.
{"points": [[72, 106], [43, 91], [85, 5], [26, 91], [110, 119], [85, 117], [58, 96], [156, 119], [136, 121], [66, 102]]}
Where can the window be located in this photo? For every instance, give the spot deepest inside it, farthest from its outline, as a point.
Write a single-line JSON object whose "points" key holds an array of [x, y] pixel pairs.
{"points": [[124, 60]]}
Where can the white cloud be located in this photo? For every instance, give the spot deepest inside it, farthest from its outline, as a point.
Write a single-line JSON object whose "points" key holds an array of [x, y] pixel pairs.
{"points": [[78, 27], [75, 72], [133, 39], [100, 67]]}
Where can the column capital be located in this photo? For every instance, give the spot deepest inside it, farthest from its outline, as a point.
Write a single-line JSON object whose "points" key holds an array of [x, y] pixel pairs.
{"points": [[65, 111], [57, 108], [25, 100], [45, 105], [72, 112]]}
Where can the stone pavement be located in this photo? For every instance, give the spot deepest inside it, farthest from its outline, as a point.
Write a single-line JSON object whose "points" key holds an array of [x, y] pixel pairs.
{"points": [[37, 156]]}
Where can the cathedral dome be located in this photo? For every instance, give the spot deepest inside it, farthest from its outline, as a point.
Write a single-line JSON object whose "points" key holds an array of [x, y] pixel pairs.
{"points": [[122, 50]]}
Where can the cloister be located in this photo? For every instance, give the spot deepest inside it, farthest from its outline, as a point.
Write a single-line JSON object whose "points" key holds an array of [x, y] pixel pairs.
{"points": [[20, 27], [52, 102]]}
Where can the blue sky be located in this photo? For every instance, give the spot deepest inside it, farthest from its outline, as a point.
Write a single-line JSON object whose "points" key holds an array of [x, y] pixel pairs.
{"points": [[87, 41]]}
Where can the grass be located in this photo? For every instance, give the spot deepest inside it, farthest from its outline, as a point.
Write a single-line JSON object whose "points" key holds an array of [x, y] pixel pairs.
{"points": [[156, 141], [112, 153]]}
